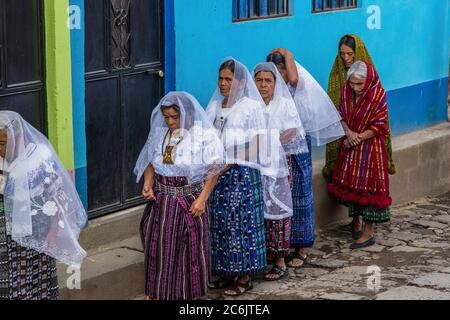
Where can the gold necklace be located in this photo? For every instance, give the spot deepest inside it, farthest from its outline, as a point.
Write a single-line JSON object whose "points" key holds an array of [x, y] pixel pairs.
{"points": [[167, 154]]}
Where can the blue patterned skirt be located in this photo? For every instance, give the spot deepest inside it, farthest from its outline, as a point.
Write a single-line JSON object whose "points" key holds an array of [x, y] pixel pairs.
{"points": [[302, 226], [237, 224]]}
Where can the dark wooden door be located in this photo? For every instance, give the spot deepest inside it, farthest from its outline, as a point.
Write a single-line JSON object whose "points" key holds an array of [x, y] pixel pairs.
{"points": [[123, 84], [22, 60]]}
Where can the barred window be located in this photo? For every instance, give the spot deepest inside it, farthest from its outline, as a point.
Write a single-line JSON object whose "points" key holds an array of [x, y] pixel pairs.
{"points": [[330, 5], [260, 9]]}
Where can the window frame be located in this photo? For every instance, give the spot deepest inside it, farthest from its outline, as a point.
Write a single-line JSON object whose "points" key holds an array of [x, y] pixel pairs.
{"points": [[316, 11], [289, 12]]}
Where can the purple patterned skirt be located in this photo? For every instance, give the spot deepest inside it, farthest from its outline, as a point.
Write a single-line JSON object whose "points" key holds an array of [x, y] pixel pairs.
{"points": [[177, 245]]}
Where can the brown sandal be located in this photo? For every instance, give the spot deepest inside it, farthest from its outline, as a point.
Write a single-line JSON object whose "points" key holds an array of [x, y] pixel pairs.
{"points": [[238, 289], [220, 283], [298, 256], [277, 271]]}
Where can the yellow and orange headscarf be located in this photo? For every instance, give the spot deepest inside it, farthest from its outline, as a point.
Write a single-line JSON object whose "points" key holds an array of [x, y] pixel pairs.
{"points": [[336, 83]]}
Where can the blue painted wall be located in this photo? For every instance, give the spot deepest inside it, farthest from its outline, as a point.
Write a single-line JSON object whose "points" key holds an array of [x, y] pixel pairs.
{"points": [[169, 45], [78, 105], [411, 50]]}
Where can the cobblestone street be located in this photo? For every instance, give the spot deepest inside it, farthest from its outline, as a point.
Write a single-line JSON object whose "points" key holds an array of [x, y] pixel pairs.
{"points": [[412, 254]]}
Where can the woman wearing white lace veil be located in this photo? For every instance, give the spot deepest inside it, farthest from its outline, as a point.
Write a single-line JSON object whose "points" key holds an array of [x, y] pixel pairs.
{"points": [[237, 204], [180, 163], [320, 118], [41, 214], [283, 120], [322, 125]]}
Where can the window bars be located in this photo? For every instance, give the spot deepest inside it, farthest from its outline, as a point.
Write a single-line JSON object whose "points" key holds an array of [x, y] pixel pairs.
{"points": [[260, 9], [331, 5]]}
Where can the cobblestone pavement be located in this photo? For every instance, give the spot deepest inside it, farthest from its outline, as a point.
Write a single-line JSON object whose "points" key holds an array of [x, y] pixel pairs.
{"points": [[412, 254]]}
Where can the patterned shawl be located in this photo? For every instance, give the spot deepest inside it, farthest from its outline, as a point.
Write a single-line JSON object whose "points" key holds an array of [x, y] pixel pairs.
{"points": [[335, 85], [361, 175]]}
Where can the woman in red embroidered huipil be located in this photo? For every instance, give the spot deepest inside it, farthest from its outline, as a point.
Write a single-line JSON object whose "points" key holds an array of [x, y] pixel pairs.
{"points": [[361, 178]]}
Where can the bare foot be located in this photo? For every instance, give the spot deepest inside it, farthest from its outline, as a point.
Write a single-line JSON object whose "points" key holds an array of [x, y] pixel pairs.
{"points": [[358, 226], [367, 234]]}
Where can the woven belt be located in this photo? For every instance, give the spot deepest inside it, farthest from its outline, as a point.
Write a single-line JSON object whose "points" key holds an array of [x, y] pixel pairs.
{"points": [[179, 191]]}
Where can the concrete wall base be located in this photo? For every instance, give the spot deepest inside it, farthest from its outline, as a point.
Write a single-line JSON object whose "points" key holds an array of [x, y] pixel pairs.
{"points": [[422, 159]]}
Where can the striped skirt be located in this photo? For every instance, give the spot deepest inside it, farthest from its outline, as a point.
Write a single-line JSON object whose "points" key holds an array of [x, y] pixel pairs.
{"points": [[177, 247], [238, 243], [278, 238], [24, 273], [303, 223]]}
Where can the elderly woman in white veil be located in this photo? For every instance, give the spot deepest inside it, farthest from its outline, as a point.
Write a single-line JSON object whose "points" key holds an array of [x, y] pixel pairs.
{"points": [[322, 124], [286, 130], [41, 214], [237, 204], [180, 163]]}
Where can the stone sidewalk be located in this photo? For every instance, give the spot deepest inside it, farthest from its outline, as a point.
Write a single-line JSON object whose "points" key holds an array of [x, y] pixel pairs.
{"points": [[412, 257]]}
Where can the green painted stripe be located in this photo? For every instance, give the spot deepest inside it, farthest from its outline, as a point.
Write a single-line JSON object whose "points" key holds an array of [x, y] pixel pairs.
{"points": [[58, 80]]}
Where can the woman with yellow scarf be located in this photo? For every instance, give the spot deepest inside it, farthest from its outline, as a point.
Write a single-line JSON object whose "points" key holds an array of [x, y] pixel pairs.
{"points": [[351, 49]]}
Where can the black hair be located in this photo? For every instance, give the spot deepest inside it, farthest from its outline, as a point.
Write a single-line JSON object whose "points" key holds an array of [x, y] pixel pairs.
{"points": [[278, 59], [231, 66], [228, 65], [349, 41], [172, 106], [259, 71]]}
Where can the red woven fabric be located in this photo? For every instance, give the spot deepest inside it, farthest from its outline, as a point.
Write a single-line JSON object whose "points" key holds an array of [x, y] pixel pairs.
{"points": [[361, 174]]}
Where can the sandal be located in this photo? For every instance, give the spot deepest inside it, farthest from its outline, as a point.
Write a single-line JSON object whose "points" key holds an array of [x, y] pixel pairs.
{"points": [[278, 271], [238, 289], [298, 256], [220, 283], [370, 242]]}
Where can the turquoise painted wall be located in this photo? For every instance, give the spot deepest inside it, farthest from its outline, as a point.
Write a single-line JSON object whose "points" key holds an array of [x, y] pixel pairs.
{"points": [[76, 15], [448, 25], [411, 50]]}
